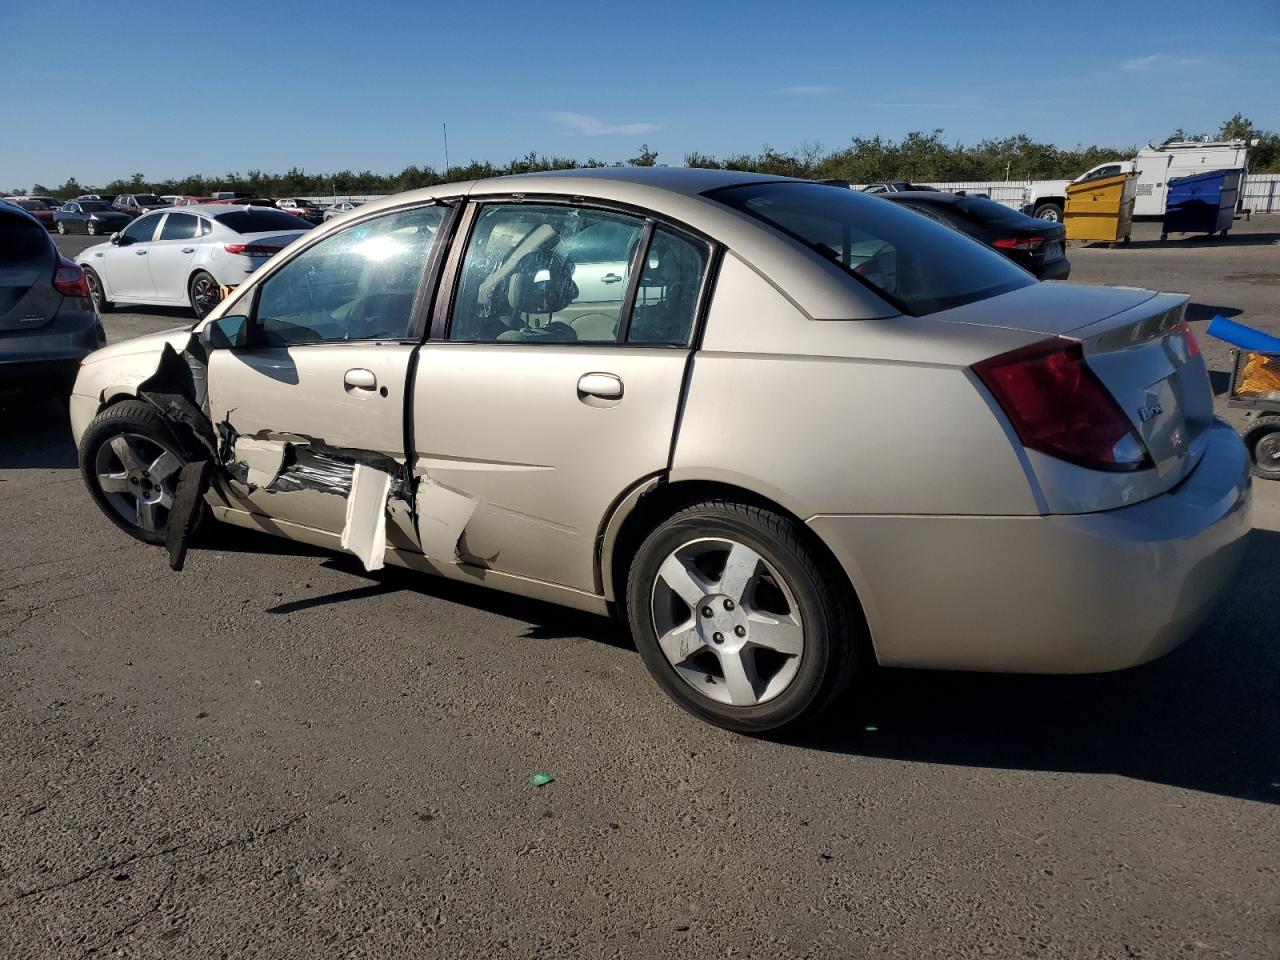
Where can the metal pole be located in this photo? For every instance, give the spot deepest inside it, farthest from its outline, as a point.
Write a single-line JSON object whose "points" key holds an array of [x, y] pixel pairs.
{"points": [[445, 128]]}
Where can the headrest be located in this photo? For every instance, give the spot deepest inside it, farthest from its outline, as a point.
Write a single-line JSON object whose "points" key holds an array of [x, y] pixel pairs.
{"points": [[542, 282]]}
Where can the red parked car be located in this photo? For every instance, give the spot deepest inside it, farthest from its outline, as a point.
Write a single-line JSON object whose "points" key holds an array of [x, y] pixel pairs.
{"points": [[37, 208]]}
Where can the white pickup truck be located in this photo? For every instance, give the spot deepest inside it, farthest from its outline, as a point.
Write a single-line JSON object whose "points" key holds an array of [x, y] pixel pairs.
{"points": [[1155, 167]]}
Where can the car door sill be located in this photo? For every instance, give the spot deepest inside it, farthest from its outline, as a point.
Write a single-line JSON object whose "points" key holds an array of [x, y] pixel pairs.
{"points": [[413, 560]]}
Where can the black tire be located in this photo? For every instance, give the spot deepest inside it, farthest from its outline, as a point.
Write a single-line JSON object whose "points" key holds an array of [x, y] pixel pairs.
{"points": [[1262, 437], [1164, 237], [95, 291], [1049, 211], [136, 419], [62, 227], [202, 293], [834, 639]]}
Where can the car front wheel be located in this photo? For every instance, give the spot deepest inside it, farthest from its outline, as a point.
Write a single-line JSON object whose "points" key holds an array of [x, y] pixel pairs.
{"points": [[1049, 211], [130, 463], [740, 619]]}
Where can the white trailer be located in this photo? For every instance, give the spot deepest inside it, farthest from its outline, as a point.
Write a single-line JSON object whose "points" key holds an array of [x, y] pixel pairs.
{"points": [[1155, 167]]}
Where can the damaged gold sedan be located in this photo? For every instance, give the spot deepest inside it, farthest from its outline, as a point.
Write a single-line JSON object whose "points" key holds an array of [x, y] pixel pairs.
{"points": [[783, 429]]}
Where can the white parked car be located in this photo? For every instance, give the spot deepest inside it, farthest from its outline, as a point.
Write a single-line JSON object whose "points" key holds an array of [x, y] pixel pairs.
{"points": [[339, 208], [171, 257]]}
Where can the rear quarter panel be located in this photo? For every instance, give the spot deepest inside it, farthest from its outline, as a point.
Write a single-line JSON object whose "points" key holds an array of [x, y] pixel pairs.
{"points": [[846, 417]]}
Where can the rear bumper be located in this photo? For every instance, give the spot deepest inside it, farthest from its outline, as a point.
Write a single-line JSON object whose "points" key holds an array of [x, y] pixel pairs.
{"points": [[1059, 269], [1079, 593], [47, 360]]}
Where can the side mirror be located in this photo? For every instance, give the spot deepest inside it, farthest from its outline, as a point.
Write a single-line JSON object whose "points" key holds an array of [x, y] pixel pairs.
{"points": [[225, 333], [115, 238]]}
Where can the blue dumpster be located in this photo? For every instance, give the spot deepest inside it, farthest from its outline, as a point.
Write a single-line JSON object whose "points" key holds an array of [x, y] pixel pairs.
{"points": [[1202, 203]]}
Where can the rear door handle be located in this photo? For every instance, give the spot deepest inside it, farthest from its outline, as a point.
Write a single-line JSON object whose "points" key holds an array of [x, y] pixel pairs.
{"points": [[606, 386], [359, 378], [141, 253], [188, 249], [611, 278]]}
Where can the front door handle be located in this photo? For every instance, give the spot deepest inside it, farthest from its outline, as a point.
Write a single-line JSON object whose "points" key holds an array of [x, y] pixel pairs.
{"points": [[606, 386], [359, 378], [611, 278], [188, 249], [141, 253]]}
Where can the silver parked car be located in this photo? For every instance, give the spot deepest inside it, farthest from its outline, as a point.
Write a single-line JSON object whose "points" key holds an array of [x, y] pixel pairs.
{"points": [[185, 257], [783, 429], [47, 321], [341, 207]]}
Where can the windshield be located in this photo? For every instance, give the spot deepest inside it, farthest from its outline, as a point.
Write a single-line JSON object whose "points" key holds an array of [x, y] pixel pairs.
{"points": [[915, 263], [31, 205], [260, 220]]}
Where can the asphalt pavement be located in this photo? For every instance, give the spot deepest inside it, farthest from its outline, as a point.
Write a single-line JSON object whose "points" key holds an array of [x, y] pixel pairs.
{"points": [[275, 754]]}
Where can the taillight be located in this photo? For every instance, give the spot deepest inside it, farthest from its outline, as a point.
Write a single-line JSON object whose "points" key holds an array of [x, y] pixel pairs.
{"points": [[69, 279], [1193, 346], [250, 249], [1020, 243], [1057, 405]]}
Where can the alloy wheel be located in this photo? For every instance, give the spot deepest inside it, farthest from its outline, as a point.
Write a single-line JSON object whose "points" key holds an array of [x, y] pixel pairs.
{"points": [[727, 622], [95, 288], [204, 295], [137, 476], [92, 228]]}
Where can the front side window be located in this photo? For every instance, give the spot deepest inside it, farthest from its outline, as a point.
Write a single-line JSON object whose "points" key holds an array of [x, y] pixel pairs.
{"points": [[916, 264], [358, 284], [141, 230], [180, 226]]}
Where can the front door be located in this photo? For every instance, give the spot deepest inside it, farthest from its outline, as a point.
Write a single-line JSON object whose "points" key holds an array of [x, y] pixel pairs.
{"points": [[321, 384], [128, 275], [545, 400]]}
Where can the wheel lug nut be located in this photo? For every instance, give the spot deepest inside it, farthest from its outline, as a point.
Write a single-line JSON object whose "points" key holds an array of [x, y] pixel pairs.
{"points": [[706, 611], [728, 604], [133, 480], [740, 630], [718, 637]]}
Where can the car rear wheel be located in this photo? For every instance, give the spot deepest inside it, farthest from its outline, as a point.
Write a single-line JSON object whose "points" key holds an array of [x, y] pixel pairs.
{"points": [[95, 290], [1049, 211], [740, 620], [1262, 437], [203, 293], [62, 228], [92, 228], [130, 463]]}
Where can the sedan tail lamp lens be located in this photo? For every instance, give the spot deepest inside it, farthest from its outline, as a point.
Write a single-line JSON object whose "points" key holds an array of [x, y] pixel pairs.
{"points": [[69, 279], [1193, 345], [250, 249], [1020, 243], [1057, 405]]}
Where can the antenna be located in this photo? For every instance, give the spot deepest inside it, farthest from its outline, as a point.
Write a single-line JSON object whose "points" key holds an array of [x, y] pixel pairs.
{"points": [[444, 127]]}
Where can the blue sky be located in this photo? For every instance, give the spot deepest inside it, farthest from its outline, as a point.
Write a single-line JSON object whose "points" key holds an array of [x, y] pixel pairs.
{"points": [[323, 86]]}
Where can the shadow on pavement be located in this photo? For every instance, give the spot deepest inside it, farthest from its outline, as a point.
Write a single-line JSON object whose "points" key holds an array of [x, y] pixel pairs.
{"points": [[1205, 311], [1204, 717], [35, 434], [1230, 240]]}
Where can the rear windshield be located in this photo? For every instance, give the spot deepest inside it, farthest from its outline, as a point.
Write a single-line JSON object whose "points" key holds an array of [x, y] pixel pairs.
{"points": [[986, 210], [31, 204], [917, 264], [260, 220], [149, 199], [93, 206], [20, 239]]}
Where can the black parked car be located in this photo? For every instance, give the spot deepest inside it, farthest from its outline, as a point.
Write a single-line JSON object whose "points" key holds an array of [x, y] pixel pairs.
{"points": [[1037, 245], [48, 323], [94, 217]]}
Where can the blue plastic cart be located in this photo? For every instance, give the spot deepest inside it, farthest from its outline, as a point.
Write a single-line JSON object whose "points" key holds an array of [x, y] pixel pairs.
{"points": [[1202, 203]]}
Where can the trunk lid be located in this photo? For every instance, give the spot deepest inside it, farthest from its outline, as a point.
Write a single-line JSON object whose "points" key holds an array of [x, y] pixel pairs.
{"points": [[28, 299], [1136, 343]]}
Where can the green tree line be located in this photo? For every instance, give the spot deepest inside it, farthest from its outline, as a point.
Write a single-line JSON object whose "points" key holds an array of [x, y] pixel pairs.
{"points": [[917, 156]]}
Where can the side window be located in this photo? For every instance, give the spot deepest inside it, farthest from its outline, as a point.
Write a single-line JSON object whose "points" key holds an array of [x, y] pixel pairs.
{"points": [[179, 226], [140, 230], [667, 297], [544, 273], [358, 284]]}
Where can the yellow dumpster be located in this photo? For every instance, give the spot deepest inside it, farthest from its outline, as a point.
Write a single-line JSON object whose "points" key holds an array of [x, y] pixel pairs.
{"points": [[1101, 209]]}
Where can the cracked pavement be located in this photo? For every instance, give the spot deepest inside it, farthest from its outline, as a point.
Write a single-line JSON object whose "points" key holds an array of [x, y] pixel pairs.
{"points": [[274, 754]]}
